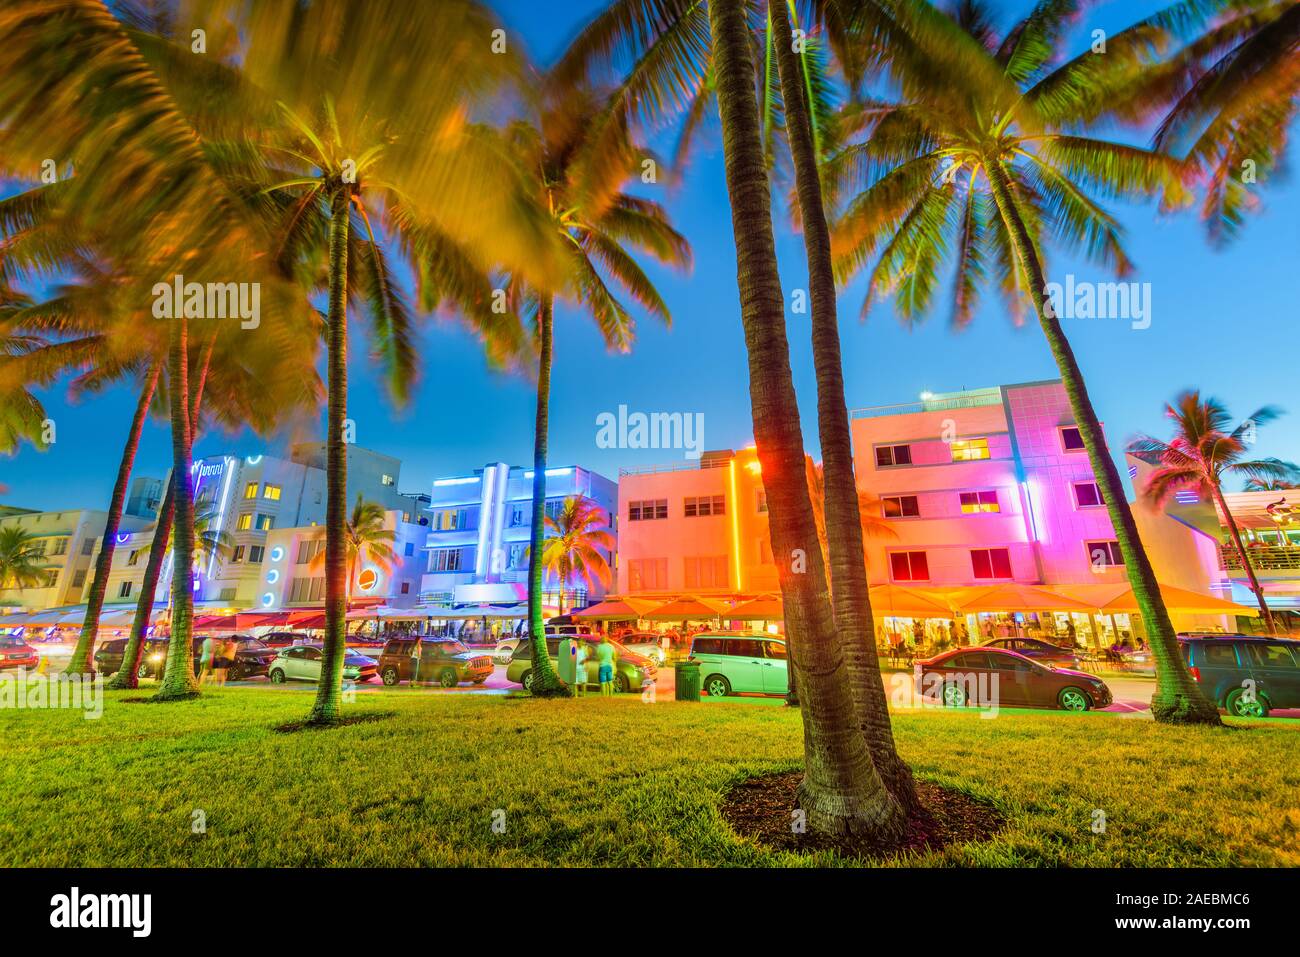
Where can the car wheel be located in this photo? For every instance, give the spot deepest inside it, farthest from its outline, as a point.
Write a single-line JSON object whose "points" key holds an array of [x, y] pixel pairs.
{"points": [[142, 671], [620, 684], [277, 676], [1073, 699], [1240, 705], [527, 680], [234, 674], [954, 696], [717, 686], [448, 678], [479, 681], [391, 677]]}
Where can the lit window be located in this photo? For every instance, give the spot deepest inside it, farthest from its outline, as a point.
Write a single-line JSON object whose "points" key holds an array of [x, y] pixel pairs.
{"points": [[969, 450], [991, 562], [387, 480], [1087, 495], [646, 510], [900, 506], [1104, 554], [762, 500], [271, 491], [891, 455], [265, 522], [972, 502], [250, 490], [909, 566], [134, 557], [245, 522], [1071, 440], [237, 555]]}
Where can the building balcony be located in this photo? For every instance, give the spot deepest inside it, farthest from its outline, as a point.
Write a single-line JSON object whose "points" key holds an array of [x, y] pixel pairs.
{"points": [[1266, 558]]}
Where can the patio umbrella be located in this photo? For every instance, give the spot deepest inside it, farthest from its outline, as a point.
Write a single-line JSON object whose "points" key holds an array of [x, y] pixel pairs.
{"points": [[900, 601], [1119, 598], [763, 608], [215, 623], [617, 609], [684, 609], [1015, 597]]}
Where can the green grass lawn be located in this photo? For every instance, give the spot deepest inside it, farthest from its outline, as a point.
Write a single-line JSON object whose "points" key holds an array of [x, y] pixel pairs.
{"points": [[598, 781]]}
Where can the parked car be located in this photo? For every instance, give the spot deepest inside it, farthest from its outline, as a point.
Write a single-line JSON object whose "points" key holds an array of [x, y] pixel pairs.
{"points": [[284, 639], [253, 658], [153, 657], [16, 653], [446, 659], [740, 662], [958, 677], [630, 669], [648, 643], [303, 663], [505, 650], [1247, 675], [1035, 649]]}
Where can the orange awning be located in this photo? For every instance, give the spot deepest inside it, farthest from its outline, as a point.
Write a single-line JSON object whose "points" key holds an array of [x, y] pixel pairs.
{"points": [[763, 608], [1118, 598], [685, 609], [1015, 597], [901, 601], [618, 609]]}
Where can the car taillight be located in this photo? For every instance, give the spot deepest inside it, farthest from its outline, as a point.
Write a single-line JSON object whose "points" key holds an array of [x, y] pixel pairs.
{"points": [[1196, 673]]}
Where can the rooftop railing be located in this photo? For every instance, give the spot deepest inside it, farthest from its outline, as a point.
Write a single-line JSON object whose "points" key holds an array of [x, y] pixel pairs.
{"points": [[938, 403]]}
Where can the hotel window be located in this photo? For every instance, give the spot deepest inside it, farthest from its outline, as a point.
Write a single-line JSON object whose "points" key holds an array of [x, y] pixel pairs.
{"points": [[890, 455], [1103, 554], [969, 450], [704, 505], [1071, 440], [250, 490], [271, 491], [447, 559], [991, 562], [406, 588], [909, 566], [519, 515], [553, 508], [60, 546], [227, 594], [409, 549], [647, 509], [51, 579], [308, 550], [387, 480], [124, 590], [973, 502], [255, 553], [517, 556], [237, 555], [134, 557], [765, 551], [647, 574], [245, 522], [265, 522], [1087, 495], [455, 519], [761, 496], [307, 589], [900, 506], [79, 578], [709, 571], [88, 546]]}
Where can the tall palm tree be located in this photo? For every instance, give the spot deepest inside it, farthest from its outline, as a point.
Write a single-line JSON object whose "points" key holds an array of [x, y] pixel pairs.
{"points": [[20, 559], [357, 149], [842, 791], [367, 541], [573, 552], [599, 224], [989, 171], [1204, 449]]}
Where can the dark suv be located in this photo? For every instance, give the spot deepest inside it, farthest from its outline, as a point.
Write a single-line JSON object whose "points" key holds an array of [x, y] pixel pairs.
{"points": [[1246, 674], [426, 659], [108, 657]]}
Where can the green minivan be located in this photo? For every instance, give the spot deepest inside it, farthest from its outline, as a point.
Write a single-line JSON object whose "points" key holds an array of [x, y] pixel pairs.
{"points": [[740, 662]]}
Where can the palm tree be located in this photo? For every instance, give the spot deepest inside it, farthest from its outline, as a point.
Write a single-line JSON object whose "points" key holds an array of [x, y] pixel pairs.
{"points": [[573, 552], [367, 541], [1203, 451], [1269, 485], [598, 224], [991, 173], [20, 559]]}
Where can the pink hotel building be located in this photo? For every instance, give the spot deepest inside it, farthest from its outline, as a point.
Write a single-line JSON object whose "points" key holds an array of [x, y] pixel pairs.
{"points": [[972, 488]]}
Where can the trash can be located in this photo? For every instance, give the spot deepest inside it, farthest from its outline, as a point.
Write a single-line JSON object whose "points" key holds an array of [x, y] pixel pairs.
{"points": [[688, 680]]}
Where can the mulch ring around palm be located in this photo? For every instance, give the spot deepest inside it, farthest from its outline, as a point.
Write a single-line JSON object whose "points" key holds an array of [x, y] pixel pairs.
{"points": [[295, 726], [760, 809]]}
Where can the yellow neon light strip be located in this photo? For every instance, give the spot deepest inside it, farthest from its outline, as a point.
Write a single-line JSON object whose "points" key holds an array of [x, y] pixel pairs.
{"points": [[735, 523]]}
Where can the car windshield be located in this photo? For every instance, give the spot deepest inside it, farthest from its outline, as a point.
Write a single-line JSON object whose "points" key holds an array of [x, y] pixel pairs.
{"points": [[252, 644], [10, 641]]}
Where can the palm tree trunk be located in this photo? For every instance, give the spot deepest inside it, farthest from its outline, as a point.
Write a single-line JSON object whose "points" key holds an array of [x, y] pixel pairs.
{"points": [[848, 563], [326, 708], [1178, 698], [545, 683], [178, 679], [1235, 532], [82, 656], [841, 792], [128, 674]]}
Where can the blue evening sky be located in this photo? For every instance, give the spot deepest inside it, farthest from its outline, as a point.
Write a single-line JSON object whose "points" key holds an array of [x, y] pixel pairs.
{"points": [[1221, 321]]}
